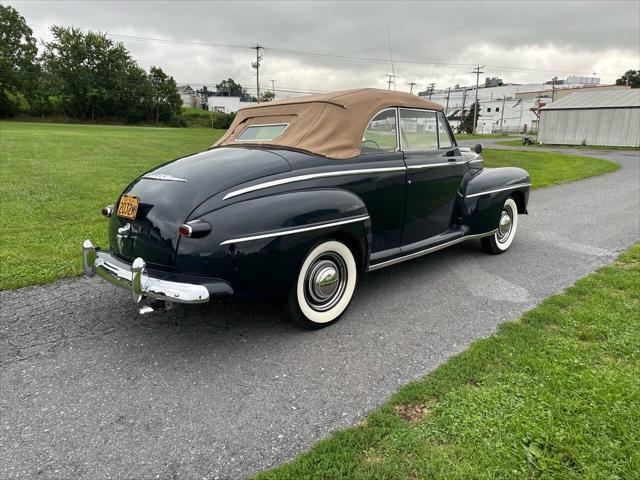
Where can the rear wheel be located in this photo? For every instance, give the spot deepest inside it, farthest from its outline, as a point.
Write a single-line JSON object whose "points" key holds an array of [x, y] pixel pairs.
{"points": [[500, 241], [325, 285]]}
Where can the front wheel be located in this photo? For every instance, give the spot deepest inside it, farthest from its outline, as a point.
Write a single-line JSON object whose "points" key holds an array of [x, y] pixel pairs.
{"points": [[325, 285], [500, 241]]}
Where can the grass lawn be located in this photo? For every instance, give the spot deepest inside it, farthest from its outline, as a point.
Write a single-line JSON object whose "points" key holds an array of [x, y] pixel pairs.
{"points": [[547, 168], [468, 136], [554, 395], [54, 179], [518, 143]]}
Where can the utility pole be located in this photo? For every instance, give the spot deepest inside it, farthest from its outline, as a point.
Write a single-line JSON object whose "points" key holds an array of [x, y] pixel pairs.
{"points": [[464, 99], [412, 84], [504, 98], [446, 109], [392, 79], [256, 65], [432, 87], [273, 88], [553, 89], [478, 70]]}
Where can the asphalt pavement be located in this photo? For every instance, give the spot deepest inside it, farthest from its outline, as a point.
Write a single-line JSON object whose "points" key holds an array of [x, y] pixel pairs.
{"points": [[90, 389]]}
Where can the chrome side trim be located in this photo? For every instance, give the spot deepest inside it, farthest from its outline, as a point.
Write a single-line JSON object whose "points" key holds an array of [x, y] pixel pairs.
{"points": [[433, 165], [496, 190], [426, 251], [163, 177], [295, 230], [301, 178]]}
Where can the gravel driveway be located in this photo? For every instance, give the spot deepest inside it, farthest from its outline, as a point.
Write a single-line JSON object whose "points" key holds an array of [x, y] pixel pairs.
{"points": [[90, 389]]}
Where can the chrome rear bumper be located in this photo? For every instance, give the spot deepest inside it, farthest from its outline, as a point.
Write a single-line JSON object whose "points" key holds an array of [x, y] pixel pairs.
{"points": [[135, 278]]}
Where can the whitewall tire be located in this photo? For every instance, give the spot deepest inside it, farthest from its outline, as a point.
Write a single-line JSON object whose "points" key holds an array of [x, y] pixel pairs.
{"points": [[325, 285], [500, 241]]}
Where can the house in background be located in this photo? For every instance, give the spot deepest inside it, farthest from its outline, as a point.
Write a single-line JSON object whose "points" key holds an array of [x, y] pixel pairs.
{"points": [[190, 98], [607, 118], [225, 104]]}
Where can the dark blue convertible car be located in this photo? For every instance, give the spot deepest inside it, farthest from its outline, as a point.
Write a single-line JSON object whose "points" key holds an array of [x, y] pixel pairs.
{"points": [[302, 196]]}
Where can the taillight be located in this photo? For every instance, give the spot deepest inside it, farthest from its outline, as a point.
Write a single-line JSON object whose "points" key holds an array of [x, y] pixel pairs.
{"points": [[107, 211], [194, 229]]}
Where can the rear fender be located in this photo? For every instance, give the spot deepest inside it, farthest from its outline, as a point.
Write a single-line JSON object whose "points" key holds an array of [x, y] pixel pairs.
{"points": [[484, 194], [269, 266]]}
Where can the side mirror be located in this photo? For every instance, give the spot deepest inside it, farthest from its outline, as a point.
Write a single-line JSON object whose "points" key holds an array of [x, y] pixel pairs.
{"points": [[478, 148]]}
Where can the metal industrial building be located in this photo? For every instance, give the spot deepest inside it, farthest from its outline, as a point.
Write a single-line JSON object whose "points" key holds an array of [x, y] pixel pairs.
{"points": [[610, 118]]}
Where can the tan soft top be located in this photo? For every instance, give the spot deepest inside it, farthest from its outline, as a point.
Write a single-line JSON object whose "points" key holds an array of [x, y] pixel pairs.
{"points": [[331, 124]]}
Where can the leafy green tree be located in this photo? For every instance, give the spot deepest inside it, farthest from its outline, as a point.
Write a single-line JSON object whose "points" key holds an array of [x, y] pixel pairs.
{"points": [[267, 96], [230, 88], [96, 76], [165, 99], [631, 78], [18, 51], [467, 124]]}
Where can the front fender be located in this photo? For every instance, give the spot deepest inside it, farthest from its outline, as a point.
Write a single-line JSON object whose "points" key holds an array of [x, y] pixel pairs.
{"points": [[484, 194], [268, 266]]}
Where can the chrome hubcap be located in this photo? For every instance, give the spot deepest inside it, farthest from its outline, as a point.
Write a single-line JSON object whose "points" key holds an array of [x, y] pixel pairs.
{"points": [[325, 281], [506, 224]]}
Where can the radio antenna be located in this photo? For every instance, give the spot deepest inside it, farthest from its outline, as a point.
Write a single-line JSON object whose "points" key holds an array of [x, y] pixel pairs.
{"points": [[393, 71]]}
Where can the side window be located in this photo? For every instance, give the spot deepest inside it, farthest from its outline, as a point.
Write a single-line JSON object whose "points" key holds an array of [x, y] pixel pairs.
{"points": [[445, 135], [381, 134], [418, 130]]}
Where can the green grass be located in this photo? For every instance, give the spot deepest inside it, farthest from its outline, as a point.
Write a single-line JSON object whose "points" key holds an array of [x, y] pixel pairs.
{"points": [[518, 143], [54, 179], [468, 136], [554, 395], [547, 168]]}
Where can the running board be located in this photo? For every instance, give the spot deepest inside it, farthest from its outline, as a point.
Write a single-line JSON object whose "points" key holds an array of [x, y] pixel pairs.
{"points": [[429, 250]]}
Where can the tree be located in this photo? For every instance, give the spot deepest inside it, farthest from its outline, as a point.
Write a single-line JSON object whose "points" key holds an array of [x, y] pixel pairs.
{"points": [[165, 99], [18, 51], [630, 78], [267, 96], [467, 124], [230, 88], [96, 75]]}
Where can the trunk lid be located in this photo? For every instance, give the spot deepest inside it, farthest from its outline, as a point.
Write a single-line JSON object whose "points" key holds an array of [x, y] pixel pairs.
{"points": [[169, 193]]}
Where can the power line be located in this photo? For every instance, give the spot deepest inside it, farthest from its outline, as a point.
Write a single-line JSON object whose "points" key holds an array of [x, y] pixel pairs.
{"points": [[334, 56]]}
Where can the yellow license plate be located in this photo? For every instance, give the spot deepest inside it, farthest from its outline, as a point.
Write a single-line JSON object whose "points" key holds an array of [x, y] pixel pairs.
{"points": [[128, 207]]}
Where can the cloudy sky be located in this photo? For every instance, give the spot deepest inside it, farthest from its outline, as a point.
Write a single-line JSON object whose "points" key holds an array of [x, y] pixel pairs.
{"points": [[324, 45]]}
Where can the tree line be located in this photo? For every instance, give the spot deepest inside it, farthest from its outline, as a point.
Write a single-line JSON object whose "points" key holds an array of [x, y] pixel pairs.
{"points": [[79, 75]]}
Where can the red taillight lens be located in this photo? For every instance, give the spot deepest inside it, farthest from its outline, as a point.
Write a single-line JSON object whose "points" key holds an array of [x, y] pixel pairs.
{"points": [[185, 230], [194, 229]]}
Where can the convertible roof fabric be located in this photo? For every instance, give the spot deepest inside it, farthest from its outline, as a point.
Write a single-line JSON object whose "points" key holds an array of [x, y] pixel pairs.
{"points": [[331, 124]]}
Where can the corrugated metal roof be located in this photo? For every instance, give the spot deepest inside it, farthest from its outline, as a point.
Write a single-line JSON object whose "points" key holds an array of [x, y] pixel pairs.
{"points": [[607, 99]]}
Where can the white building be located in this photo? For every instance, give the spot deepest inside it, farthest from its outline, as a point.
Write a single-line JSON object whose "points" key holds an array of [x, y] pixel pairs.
{"points": [[608, 118], [226, 104], [520, 99], [514, 115]]}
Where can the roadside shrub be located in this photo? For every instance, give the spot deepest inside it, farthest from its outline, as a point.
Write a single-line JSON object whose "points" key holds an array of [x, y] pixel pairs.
{"points": [[205, 119], [178, 121]]}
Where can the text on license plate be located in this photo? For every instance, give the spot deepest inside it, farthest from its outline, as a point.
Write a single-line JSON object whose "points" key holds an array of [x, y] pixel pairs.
{"points": [[128, 207]]}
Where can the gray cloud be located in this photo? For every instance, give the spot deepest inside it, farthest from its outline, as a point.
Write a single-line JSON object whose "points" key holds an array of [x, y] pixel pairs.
{"points": [[507, 36]]}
